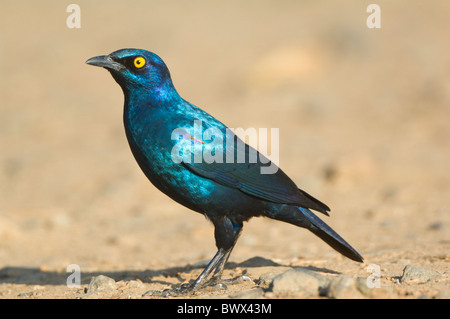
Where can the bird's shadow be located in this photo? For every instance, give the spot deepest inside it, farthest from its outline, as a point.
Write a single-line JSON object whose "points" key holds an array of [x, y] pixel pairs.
{"points": [[38, 276]]}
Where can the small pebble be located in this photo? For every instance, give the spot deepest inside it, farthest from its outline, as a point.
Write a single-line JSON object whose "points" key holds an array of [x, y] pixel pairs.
{"points": [[135, 284], [101, 283], [266, 279], [420, 274], [346, 287], [299, 281]]}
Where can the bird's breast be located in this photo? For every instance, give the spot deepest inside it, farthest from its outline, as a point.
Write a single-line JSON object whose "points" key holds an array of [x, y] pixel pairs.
{"points": [[150, 136]]}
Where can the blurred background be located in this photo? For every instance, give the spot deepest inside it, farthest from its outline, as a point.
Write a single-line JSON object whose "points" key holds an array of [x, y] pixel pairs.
{"points": [[363, 117]]}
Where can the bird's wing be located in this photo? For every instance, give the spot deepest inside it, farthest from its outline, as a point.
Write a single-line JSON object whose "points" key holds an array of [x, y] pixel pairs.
{"points": [[247, 177]]}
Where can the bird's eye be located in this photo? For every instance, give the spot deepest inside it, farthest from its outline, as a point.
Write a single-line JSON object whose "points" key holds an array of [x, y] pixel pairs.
{"points": [[139, 62]]}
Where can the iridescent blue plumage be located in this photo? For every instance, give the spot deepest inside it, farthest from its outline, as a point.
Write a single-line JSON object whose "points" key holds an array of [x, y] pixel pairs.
{"points": [[159, 124]]}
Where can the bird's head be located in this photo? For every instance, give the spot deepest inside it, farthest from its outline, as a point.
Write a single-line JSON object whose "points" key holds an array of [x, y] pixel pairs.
{"points": [[135, 69]]}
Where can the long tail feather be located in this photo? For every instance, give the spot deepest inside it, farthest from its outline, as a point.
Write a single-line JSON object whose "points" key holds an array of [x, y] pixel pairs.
{"points": [[328, 235], [305, 218]]}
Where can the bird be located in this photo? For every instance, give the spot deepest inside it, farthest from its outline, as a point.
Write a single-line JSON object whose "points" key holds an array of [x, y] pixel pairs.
{"points": [[160, 128]]}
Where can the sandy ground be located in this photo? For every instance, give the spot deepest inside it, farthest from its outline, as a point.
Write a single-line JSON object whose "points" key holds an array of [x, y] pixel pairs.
{"points": [[363, 118]]}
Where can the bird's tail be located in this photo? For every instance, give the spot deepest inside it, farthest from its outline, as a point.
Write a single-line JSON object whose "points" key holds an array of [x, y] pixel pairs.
{"points": [[305, 218]]}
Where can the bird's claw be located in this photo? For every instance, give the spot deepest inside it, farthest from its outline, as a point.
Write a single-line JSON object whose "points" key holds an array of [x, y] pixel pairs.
{"points": [[190, 289], [183, 290]]}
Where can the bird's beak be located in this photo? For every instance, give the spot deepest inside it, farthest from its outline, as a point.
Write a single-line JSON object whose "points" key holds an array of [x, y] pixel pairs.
{"points": [[106, 62]]}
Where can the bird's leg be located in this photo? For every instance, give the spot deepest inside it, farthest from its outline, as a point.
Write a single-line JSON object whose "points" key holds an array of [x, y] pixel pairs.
{"points": [[219, 269], [217, 275], [215, 263], [226, 233], [216, 278], [186, 288]]}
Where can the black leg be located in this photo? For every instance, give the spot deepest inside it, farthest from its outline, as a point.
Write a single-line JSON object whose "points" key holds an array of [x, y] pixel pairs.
{"points": [[219, 269], [226, 234], [216, 262]]}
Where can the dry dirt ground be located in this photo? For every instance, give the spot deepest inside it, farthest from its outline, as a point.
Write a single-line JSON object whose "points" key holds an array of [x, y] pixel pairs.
{"points": [[363, 119]]}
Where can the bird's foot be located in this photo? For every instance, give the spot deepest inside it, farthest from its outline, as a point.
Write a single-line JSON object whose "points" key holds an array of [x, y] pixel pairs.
{"points": [[183, 290], [186, 290], [215, 283]]}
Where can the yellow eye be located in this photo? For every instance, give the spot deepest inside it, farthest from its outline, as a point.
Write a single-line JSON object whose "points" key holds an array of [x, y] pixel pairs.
{"points": [[139, 62]]}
